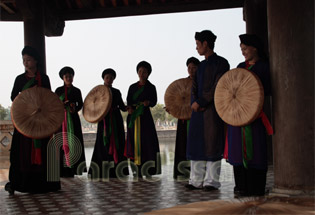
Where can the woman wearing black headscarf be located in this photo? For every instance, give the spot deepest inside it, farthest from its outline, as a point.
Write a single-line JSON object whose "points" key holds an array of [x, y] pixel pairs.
{"points": [[110, 138], [71, 126], [250, 166], [192, 64], [28, 157], [142, 144]]}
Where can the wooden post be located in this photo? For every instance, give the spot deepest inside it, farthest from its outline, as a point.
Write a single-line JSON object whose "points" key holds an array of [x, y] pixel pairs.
{"points": [[34, 35], [291, 43], [255, 15]]}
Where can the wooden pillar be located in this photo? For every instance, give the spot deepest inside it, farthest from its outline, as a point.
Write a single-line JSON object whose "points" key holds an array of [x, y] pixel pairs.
{"points": [[291, 43], [255, 15], [34, 34]]}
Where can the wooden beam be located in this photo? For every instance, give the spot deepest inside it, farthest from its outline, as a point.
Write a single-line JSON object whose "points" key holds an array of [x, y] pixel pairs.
{"points": [[79, 4], [54, 24], [7, 1], [8, 9], [126, 2], [69, 4], [24, 8], [102, 3], [86, 4], [154, 8], [111, 8], [114, 3]]}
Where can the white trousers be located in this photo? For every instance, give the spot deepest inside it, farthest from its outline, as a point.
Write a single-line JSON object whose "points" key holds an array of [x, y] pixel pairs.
{"points": [[205, 173]]}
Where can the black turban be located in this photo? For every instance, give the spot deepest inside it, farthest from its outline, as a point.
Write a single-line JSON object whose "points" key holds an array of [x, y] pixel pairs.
{"points": [[145, 65], [192, 60], [66, 70], [206, 35], [253, 40], [109, 71], [28, 50]]}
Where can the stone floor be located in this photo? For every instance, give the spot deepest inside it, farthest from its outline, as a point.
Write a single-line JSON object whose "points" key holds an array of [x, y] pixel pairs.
{"points": [[81, 195]]}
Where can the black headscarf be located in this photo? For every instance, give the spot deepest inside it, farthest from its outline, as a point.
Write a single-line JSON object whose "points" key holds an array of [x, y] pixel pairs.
{"points": [[109, 71], [145, 65], [66, 70], [208, 36], [192, 60], [28, 50], [255, 41]]}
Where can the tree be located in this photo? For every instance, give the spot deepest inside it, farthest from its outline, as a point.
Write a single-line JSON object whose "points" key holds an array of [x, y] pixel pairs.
{"points": [[4, 113], [158, 112], [170, 118]]}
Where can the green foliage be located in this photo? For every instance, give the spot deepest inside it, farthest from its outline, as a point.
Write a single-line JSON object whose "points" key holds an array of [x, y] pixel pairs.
{"points": [[84, 123], [170, 118], [158, 112], [4, 113]]}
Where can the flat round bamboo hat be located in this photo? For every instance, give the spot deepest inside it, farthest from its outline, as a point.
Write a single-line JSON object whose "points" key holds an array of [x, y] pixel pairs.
{"points": [[248, 205], [37, 112], [239, 97], [177, 98], [97, 103]]}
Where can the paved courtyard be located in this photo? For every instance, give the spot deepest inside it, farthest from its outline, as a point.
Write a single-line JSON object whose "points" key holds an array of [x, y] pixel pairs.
{"points": [[81, 195]]}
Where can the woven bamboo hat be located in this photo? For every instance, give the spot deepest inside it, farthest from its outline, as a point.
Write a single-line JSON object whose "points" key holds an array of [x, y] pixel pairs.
{"points": [[239, 97], [177, 98], [37, 112], [97, 103], [249, 205]]}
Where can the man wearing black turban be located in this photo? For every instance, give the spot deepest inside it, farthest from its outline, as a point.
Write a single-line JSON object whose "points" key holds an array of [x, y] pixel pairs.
{"points": [[205, 142]]}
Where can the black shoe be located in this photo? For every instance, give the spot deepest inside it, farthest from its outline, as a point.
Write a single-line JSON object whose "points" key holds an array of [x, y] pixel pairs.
{"points": [[191, 187], [8, 188], [209, 188]]}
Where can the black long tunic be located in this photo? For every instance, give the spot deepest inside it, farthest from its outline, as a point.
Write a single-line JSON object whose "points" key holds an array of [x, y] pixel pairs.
{"points": [[101, 151], [149, 141], [74, 96], [251, 180], [235, 157], [180, 146], [23, 175], [206, 129]]}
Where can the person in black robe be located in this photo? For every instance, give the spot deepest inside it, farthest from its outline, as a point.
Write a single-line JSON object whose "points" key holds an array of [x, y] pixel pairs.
{"points": [[28, 157], [71, 130], [142, 145], [205, 142], [249, 160], [110, 142], [182, 127]]}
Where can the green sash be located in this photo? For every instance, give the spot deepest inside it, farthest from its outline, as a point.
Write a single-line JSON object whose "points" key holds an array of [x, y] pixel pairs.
{"points": [[135, 122]]}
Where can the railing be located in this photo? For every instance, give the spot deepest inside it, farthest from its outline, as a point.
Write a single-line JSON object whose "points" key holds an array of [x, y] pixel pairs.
{"points": [[6, 131]]}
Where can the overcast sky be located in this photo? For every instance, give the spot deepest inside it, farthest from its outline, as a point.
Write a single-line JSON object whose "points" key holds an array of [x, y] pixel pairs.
{"points": [[90, 46]]}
